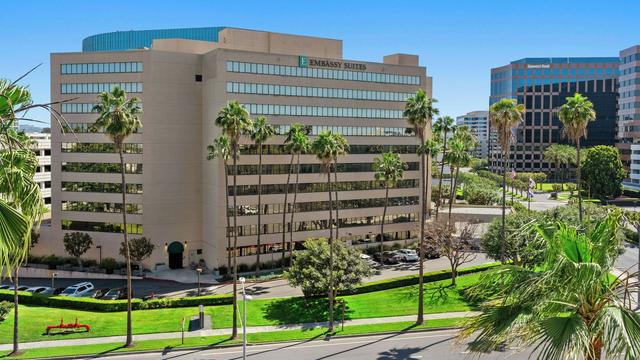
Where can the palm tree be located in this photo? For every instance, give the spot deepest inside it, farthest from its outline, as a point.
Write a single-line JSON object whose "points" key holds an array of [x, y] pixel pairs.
{"points": [[554, 154], [575, 115], [221, 148], [389, 170], [260, 132], [505, 115], [324, 147], [633, 218], [234, 121], [419, 111], [569, 307], [443, 125], [296, 143], [119, 118], [341, 147], [431, 148], [457, 157]]}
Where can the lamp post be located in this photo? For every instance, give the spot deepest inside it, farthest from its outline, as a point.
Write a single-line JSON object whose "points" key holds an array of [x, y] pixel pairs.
{"points": [[199, 271], [99, 247], [53, 277], [245, 298]]}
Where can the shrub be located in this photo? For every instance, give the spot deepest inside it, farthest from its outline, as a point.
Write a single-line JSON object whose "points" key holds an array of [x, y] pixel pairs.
{"points": [[434, 192], [109, 264], [480, 195], [557, 187], [5, 309]]}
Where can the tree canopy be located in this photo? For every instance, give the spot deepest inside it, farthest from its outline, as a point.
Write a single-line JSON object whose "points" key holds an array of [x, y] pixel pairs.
{"points": [[603, 172]]}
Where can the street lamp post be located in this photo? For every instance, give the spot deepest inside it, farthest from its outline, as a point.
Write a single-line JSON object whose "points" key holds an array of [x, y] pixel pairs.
{"points": [[245, 298], [99, 247], [199, 271], [53, 277]]}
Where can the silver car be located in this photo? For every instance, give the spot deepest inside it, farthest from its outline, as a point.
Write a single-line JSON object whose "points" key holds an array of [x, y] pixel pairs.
{"points": [[77, 290], [408, 255]]}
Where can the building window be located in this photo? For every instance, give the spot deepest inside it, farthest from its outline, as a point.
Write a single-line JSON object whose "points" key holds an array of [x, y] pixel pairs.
{"points": [[100, 207], [100, 227], [95, 88], [96, 148], [111, 168], [304, 91], [322, 111], [101, 68]]}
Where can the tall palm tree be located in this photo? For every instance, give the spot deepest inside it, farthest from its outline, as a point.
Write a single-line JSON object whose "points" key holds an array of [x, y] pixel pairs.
{"points": [[260, 132], [119, 117], [505, 115], [554, 154], [443, 126], [457, 157], [324, 148], [419, 111], [389, 170], [569, 155], [567, 308], [431, 148], [576, 114], [221, 148], [341, 147], [234, 121], [296, 143]]}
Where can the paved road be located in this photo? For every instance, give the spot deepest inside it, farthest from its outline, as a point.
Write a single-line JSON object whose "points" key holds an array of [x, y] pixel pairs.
{"points": [[629, 259], [405, 346]]}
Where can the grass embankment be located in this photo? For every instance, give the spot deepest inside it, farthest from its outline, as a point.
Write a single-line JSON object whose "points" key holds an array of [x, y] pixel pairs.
{"points": [[439, 297], [212, 341]]}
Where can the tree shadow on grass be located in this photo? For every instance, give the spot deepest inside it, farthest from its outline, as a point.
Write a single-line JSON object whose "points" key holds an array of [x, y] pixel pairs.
{"points": [[298, 310]]}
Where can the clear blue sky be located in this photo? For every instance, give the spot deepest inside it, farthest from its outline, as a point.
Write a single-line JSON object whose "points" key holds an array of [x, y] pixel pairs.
{"points": [[458, 41]]}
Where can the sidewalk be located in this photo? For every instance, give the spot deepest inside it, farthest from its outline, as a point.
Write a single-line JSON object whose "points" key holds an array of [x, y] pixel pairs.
{"points": [[212, 332]]}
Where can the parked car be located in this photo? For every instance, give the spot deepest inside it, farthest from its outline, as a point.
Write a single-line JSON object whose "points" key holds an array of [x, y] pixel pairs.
{"points": [[388, 257], [408, 255], [77, 290], [52, 291], [20, 288], [368, 259], [38, 289], [4, 287], [115, 294], [95, 293], [431, 252]]}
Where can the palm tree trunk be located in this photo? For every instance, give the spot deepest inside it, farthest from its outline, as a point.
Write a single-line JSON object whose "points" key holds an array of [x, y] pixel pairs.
{"points": [[16, 342], [423, 189], [335, 178], [454, 185], [579, 185], [444, 153], [504, 205], [384, 215], [284, 211], [293, 208], [226, 198], [234, 330], [129, 340], [330, 251], [258, 247]]}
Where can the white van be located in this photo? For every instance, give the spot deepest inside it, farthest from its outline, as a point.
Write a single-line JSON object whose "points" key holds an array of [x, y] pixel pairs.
{"points": [[77, 290]]}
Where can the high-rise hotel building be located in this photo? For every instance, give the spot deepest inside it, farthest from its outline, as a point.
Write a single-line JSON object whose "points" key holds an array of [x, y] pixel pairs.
{"points": [[175, 196], [542, 85]]}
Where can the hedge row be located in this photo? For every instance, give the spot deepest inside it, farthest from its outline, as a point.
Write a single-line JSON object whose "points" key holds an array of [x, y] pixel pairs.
{"points": [[413, 279], [90, 304]]}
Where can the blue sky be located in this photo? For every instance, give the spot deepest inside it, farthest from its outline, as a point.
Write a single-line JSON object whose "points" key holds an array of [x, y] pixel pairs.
{"points": [[458, 41]]}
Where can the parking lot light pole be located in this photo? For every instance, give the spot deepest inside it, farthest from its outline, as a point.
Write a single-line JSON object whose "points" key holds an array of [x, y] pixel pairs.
{"points": [[198, 271], [53, 277]]}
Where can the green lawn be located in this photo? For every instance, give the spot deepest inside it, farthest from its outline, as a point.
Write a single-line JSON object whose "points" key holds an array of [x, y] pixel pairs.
{"points": [[212, 341], [440, 297]]}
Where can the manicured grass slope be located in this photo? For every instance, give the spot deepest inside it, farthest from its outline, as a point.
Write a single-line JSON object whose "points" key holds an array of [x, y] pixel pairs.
{"points": [[440, 297]]}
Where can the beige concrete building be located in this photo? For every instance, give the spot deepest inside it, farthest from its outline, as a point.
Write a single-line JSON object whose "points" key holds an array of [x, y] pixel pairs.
{"points": [[177, 198], [41, 145]]}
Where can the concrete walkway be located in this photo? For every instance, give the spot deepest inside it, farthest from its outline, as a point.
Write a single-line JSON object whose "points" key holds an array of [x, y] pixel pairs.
{"points": [[213, 332]]}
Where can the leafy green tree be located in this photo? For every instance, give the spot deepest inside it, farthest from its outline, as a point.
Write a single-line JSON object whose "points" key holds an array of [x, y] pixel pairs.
{"points": [[77, 244], [442, 127], [567, 308], [139, 249], [260, 132], [296, 143], [457, 249], [505, 116], [521, 245], [389, 170], [461, 143], [221, 148], [603, 171], [21, 205], [119, 117], [233, 119], [312, 268], [575, 115], [419, 111]]}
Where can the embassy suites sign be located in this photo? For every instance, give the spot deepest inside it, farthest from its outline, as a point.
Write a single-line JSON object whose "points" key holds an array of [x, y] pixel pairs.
{"points": [[304, 61]]}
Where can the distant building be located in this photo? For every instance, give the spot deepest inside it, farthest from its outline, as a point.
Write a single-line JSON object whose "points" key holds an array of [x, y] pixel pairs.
{"points": [[628, 130], [478, 122], [634, 171], [542, 85], [42, 148]]}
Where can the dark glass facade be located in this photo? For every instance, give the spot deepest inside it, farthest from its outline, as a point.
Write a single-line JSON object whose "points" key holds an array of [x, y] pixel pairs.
{"points": [[542, 85]]}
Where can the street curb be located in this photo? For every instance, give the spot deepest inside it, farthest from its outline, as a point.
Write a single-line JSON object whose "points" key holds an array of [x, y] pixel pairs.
{"points": [[88, 356]]}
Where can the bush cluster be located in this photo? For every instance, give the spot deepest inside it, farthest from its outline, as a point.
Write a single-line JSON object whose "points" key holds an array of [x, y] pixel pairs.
{"points": [[90, 304], [54, 261]]}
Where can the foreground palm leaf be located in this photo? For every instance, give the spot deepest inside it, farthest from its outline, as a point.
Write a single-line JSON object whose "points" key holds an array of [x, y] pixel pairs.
{"points": [[571, 308]]}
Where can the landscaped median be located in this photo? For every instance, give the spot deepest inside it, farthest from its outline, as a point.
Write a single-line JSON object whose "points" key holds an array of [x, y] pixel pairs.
{"points": [[370, 300], [224, 340]]}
